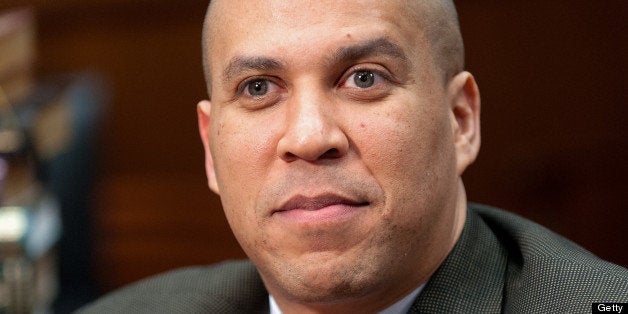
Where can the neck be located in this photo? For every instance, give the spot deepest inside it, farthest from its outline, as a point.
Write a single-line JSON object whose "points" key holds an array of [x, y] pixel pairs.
{"points": [[400, 306]]}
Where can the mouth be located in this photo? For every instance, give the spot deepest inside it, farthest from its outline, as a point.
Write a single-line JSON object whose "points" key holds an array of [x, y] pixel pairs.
{"points": [[321, 208]]}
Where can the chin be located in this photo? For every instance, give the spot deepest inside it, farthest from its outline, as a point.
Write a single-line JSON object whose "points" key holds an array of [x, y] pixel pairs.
{"points": [[328, 279]]}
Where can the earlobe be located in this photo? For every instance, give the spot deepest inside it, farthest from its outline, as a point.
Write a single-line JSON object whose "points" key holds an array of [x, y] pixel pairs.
{"points": [[203, 111], [465, 106]]}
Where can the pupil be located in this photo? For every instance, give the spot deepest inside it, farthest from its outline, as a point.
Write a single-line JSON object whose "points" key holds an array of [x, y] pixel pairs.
{"points": [[258, 88], [364, 79]]}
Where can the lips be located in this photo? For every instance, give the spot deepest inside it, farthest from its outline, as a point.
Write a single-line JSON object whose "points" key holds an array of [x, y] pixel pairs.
{"points": [[301, 202], [321, 210]]}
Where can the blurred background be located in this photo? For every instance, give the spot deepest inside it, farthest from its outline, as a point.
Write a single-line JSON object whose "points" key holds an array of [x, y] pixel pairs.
{"points": [[105, 92]]}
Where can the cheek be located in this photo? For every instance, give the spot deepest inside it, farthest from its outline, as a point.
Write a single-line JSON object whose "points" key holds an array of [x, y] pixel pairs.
{"points": [[243, 149], [410, 153], [242, 153], [407, 141]]}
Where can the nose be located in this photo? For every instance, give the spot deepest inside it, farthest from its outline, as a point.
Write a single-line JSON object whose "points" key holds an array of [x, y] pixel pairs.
{"points": [[312, 131]]}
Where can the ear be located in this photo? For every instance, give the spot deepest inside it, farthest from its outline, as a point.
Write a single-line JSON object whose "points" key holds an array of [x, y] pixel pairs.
{"points": [[464, 97], [203, 110]]}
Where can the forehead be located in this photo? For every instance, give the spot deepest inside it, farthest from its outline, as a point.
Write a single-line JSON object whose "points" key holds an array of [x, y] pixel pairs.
{"points": [[292, 13], [281, 26]]}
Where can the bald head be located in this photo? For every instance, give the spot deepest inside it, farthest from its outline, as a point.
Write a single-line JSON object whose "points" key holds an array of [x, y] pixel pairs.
{"points": [[436, 18], [439, 20]]}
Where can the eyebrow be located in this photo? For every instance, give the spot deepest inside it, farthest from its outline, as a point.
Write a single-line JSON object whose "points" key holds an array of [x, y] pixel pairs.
{"points": [[378, 46], [241, 63]]}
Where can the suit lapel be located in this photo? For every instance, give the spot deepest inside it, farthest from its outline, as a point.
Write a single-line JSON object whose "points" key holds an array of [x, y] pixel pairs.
{"points": [[472, 277]]}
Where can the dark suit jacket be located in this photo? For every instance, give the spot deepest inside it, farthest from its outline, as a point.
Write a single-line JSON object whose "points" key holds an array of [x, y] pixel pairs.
{"points": [[502, 263]]}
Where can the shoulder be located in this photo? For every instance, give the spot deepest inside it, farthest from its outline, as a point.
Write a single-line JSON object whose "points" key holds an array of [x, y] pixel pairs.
{"points": [[547, 269], [225, 287]]}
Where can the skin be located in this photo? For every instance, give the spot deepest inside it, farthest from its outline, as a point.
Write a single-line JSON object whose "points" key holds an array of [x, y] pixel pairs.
{"points": [[378, 164]]}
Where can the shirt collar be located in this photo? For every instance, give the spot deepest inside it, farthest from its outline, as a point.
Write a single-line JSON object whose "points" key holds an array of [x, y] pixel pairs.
{"points": [[401, 306]]}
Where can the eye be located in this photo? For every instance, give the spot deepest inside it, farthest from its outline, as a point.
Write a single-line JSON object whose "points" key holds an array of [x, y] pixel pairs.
{"points": [[367, 82], [363, 79], [259, 92], [257, 88]]}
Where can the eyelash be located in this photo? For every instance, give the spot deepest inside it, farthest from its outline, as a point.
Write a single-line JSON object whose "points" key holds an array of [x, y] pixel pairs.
{"points": [[353, 71], [241, 88]]}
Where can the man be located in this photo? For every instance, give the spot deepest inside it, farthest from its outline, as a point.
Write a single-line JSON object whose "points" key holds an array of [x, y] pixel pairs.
{"points": [[336, 134]]}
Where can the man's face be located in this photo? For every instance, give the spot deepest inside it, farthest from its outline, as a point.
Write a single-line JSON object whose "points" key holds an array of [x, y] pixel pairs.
{"points": [[331, 144]]}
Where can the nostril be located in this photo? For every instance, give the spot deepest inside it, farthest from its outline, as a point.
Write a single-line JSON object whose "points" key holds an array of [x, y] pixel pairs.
{"points": [[331, 153], [290, 156]]}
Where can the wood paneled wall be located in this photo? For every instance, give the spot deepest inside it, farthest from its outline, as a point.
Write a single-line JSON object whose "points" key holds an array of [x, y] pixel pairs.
{"points": [[551, 75]]}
